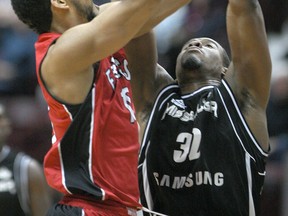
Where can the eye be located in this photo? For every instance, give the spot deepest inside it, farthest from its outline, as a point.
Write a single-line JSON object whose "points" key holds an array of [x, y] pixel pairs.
{"points": [[210, 45]]}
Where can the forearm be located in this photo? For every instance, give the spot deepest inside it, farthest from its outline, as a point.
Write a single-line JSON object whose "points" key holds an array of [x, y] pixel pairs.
{"points": [[112, 29], [163, 10], [108, 32]]}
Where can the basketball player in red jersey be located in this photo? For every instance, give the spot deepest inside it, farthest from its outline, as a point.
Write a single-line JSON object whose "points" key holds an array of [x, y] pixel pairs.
{"points": [[83, 73]]}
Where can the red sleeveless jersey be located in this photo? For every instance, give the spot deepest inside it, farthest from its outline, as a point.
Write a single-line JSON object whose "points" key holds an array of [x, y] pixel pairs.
{"points": [[94, 150]]}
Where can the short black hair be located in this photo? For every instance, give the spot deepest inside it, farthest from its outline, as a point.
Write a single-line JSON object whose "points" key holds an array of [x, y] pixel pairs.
{"points": [[36, 14]]}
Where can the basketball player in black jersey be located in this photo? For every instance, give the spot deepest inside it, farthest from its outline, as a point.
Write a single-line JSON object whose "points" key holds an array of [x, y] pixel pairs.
{"points": [[204, 136], [23, 189]]}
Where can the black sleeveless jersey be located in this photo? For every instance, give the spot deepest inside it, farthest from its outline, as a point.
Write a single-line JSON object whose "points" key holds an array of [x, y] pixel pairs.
{"points": [[14, 195], [199, 157]]}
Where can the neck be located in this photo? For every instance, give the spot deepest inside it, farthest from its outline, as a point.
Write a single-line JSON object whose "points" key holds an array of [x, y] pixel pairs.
{"points": [[187, 88]]}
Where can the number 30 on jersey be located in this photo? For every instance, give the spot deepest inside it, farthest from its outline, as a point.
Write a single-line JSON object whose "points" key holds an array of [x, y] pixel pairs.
{"points": [[189, 146]]}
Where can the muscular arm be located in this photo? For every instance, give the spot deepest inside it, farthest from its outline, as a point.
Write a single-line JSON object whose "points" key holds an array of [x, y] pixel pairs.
{"points": [[147, 76], [67, 67], [249, 49], [163, 10], [250, 71], [39, 193]]}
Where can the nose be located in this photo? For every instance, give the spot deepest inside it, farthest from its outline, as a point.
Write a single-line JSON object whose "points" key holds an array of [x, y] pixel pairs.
{"points": [[196, 43]]}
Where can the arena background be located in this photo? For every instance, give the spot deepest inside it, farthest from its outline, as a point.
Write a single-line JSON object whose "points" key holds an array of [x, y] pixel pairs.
{"points": [[31, 128]]}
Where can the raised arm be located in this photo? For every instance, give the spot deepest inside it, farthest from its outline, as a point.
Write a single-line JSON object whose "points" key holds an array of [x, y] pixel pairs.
{"points": [[108, 32], [251, 64], [250, 71], [67, 68], [163, 10], [147, 76]]}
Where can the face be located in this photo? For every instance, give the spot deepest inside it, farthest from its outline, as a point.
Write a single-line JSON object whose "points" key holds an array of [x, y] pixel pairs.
{"points": [[5, 126], [85, 8], [199, 58]]}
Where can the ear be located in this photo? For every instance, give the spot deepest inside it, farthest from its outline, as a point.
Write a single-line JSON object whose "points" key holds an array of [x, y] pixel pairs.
{"points": [[59, 3]]}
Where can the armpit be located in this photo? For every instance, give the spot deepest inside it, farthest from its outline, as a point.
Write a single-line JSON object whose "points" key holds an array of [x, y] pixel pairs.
{"points": [[246, 101]]}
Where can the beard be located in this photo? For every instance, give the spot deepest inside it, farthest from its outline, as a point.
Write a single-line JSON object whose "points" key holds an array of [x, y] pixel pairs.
{"points": [[85, 11], [90, 15], [190, 62]]}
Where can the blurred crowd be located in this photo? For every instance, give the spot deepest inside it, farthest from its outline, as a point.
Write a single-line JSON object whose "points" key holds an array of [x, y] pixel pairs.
{"points": [[31, 132]]}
